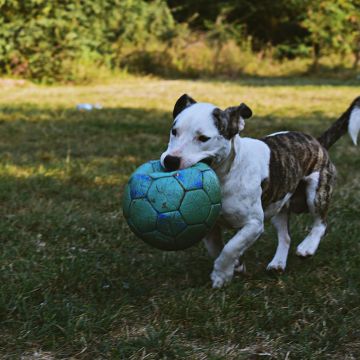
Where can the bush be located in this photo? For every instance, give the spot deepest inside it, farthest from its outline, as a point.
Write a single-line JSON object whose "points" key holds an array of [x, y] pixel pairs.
{"points": [[38, 39]]}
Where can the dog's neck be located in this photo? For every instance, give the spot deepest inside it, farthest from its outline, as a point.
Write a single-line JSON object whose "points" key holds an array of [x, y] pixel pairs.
{"points": [[222, 168]]}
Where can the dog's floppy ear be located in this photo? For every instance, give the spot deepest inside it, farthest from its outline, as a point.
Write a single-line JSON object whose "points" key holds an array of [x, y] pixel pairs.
{"points": [[231, 121], [245, 111], [182, 103]]}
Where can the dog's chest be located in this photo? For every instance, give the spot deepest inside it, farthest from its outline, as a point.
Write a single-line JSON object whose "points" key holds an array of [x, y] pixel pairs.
{"points": [[237, 203], [241, 193]]}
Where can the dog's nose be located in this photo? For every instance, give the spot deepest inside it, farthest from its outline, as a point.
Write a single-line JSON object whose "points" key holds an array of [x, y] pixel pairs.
{"points": [[171, 162]]}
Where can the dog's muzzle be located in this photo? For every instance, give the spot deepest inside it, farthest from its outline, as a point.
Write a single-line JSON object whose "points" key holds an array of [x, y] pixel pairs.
{"points": [[171, 163]]}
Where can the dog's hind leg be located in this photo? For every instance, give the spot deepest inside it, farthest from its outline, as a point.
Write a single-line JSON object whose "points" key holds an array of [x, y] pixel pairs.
{"points": [[213, 242], [318, 193], [281, 223]]}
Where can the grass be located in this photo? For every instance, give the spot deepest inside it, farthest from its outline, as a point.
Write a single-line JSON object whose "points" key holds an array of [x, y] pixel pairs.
{"points": [[76, 283]]}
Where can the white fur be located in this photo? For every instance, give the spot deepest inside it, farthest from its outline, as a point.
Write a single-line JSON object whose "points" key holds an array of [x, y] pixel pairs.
{"points": [[241, 165], [196, 120], [275, 207], [313, 182], [310, 244], [354, 124], [278, 133], [280, 221], [241, 202]]}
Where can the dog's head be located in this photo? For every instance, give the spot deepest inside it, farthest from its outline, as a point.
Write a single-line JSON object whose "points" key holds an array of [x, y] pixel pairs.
{"points": [[202, 132]]}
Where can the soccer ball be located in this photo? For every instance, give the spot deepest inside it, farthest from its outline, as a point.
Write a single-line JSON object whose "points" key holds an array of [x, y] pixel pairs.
{"points": [[172, 210]]}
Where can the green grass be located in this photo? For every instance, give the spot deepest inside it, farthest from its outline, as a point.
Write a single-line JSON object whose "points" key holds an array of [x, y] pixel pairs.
{"points": [[75, 282]]}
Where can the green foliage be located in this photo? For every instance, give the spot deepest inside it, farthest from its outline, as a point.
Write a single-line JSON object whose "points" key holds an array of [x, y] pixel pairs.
{"points": [[333, 26], [39, 38], [67, 40]]}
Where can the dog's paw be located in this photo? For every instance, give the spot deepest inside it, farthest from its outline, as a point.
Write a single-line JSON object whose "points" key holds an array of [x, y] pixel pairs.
{"points": [[305, 249], [219, 279], [239, 267], [276, 265]]}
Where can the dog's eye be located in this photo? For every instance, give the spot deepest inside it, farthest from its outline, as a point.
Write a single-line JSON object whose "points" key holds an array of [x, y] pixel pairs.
{"points": [[203, 138], [173, 131]]}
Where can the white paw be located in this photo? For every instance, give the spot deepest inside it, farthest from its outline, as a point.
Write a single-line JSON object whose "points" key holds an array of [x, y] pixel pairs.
{"points": [[219, 279], [306, 249], [277, 265], [239, 267]]}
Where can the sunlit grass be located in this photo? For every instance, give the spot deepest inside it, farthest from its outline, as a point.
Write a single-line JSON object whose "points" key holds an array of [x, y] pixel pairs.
{"points": [[74, 281]]}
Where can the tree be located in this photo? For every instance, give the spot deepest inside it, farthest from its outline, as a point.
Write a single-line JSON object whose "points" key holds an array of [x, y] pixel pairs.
{"points": [[333, 27]]}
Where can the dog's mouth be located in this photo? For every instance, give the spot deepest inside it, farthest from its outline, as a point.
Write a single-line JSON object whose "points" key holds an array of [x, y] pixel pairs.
{"points": [[207, 161]]}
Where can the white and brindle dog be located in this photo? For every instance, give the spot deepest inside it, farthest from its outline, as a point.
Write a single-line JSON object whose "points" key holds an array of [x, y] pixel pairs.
{"points": [[260, 178]]}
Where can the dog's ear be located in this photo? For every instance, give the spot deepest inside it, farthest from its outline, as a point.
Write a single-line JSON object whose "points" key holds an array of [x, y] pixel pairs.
{"points": [[245, 111], [231, 121], [182, 103]]}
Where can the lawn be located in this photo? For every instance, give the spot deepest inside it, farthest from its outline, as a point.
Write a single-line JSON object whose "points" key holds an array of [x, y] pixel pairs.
{"points": [[76, 283]]}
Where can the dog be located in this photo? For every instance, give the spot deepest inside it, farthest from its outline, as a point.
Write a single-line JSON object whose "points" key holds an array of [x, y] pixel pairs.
{"points": [[268, 178]]}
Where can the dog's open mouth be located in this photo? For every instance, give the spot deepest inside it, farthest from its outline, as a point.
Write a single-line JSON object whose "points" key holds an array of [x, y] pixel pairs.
{"points": [[207, 161]]}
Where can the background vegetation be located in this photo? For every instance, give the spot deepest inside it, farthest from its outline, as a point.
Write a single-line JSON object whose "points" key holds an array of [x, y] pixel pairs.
{"points": [[82, 40]]}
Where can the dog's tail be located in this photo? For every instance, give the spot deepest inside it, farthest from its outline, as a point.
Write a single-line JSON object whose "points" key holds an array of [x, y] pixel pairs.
{"points": [[348, 121]]}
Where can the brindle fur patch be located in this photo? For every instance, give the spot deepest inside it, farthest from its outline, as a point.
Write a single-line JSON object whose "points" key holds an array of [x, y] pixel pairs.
{"points": [[294, 156], [230, 121]]}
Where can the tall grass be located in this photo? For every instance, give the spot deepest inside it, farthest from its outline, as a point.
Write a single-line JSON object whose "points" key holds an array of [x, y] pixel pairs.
{"points": [[197, 58]]}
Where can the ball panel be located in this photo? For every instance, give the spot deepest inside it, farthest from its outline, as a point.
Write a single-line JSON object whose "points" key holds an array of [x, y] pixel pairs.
{"points": [[213, 215], [171, 210], [126, 201], [158, 175], [133, 228], [139, 185], [159, 240], [195, 207], [142, 215], [202, 166], [146, 168], [190, 179], [191, 235], [212, 186], [165, 194], [170, 223], [156, 165]]}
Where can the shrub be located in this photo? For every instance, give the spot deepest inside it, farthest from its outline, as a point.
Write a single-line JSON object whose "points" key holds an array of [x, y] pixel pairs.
{"points": [[37, 38]]}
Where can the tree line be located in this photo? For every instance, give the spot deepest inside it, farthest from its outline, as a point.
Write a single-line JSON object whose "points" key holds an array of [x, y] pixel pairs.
{"points": [[54, 40]]}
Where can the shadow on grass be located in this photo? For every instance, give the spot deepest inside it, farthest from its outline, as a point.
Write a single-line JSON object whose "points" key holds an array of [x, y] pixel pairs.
{"points": [[152, 63], [41, 135], [297, 81]]}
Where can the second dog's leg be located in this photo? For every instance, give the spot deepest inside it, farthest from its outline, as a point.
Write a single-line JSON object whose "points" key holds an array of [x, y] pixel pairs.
{"points": [[318, 194], [310, 244], [213, 242], [281, 221], [237, 245]]}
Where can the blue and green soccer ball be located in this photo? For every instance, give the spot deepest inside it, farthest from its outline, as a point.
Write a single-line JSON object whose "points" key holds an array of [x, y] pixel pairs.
{"points": [[172, 210]]}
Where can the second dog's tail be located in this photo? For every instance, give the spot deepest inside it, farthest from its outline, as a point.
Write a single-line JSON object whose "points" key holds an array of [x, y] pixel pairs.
{"points": [[348, 121]]}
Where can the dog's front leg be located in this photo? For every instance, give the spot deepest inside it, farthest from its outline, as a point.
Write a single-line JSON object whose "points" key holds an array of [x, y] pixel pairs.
{"points": [[213, 241], [237, 245]]}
